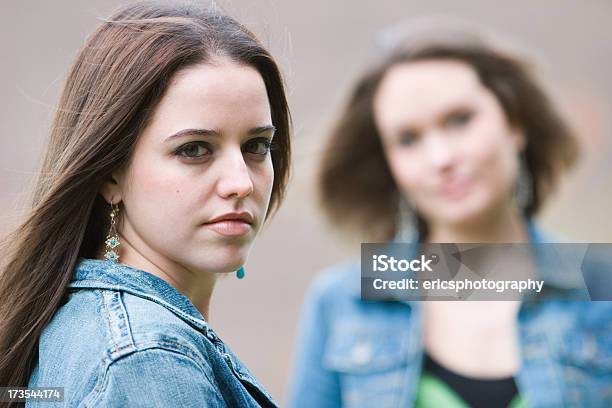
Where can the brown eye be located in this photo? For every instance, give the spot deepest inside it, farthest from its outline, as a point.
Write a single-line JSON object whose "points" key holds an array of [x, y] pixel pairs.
{"points": [[193, 150], [459, 119], [259, 146], [408, 138]]}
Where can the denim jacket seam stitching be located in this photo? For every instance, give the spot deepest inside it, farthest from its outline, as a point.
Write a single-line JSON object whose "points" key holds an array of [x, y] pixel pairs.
{"points": [[181, 349], [91, 398], [167, 345], [200, 324], [116, 347], [128, 329], [102, 383], [128, 325], [246, 377], [107, 318]]}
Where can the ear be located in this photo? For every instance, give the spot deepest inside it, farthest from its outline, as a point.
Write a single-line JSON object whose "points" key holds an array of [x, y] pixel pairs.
{"points": [[111, 190]]}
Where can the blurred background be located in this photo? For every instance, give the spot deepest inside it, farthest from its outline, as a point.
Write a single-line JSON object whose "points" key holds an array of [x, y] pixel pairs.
{"points": [[322, 46]]}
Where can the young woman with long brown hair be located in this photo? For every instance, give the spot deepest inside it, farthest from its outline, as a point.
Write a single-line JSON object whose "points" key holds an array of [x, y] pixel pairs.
{"points": [[169, 150]]}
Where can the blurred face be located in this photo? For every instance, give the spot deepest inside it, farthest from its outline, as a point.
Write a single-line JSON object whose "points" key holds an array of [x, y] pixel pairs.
{"points": [[448, 143], [198, 187]]}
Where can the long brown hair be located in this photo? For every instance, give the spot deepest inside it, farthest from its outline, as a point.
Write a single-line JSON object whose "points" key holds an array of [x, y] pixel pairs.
{"points": [[357, 190], [111, 91]]}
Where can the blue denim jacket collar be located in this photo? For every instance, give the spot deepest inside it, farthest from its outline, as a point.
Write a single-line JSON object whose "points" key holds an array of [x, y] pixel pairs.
{"points": [[103, 274]]}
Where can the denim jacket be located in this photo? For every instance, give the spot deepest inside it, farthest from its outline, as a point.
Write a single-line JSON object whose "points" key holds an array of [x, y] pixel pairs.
{"points": [[353, 353], [126, 338]]}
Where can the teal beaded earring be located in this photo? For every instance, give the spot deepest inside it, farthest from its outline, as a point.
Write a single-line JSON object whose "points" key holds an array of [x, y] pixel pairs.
{"points": [[240, 273], [112, 239]]}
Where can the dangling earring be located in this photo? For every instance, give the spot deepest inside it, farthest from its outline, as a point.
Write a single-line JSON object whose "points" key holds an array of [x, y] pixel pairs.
{"points": [[112, 239], [406, 224], [524, 185], [240, 273]]}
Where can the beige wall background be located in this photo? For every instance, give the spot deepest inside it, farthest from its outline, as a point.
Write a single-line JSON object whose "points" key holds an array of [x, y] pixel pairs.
{"points": [[322, 46]]}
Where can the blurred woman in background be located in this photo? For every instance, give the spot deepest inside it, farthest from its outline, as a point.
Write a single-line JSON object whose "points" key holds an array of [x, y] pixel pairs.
{"points": [[447, 139], [169, 150]]}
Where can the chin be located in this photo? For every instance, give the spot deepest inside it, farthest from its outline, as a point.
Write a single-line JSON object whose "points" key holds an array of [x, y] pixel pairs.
{"points": [[463, 212], [221, 265], [228, 258]]}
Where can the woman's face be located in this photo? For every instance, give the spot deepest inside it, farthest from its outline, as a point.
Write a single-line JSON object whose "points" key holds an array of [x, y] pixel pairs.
{"points": [[448, 143], [197, 189]]}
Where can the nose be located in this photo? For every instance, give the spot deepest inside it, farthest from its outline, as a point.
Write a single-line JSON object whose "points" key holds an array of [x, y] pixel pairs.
{"points": [[440, 152], [235, 179]]}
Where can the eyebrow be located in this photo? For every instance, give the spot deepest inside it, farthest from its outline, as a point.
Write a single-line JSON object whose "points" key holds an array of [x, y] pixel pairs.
{"points": [[214, 132]]}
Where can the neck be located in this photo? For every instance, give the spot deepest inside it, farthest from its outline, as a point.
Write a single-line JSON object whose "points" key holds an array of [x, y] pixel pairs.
{"points": [[502, 225], [196, 286]]}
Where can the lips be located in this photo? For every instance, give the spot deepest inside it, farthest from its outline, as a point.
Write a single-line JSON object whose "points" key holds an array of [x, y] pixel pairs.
{"points": [[455, 188], [232, 224]]}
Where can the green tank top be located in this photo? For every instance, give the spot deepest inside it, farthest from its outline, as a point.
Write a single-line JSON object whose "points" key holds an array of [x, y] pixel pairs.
{"points": [[434, 393]]}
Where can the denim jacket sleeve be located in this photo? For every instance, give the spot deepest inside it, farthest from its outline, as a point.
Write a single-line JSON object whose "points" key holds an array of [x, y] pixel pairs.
{"points": [[312, 385], [155, 377]]}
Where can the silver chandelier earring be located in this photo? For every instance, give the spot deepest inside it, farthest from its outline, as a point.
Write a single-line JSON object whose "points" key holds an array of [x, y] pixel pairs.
{"points": [[524, 186], [406, 224], [112, 239]]}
